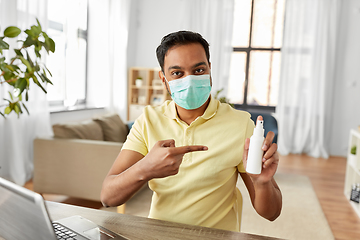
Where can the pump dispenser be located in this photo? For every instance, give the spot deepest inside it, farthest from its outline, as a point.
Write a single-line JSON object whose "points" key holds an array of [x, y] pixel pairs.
{"points": [[255, 154]]}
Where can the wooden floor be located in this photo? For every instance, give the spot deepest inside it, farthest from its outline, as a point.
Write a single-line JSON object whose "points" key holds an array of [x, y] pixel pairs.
{"points": [[327, 177]]}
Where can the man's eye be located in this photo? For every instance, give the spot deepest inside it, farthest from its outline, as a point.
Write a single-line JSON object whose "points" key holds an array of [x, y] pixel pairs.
{"points": [[176, 73], [199, 70]]}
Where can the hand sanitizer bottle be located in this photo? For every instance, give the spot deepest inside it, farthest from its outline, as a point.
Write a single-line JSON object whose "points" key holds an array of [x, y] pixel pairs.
{"points": [[255, 154]]}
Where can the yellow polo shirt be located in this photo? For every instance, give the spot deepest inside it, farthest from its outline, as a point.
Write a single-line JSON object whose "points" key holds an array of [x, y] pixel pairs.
{"points": [[204, 191]]}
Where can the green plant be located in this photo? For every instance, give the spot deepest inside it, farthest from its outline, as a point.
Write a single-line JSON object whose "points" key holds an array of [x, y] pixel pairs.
{"points": [[24, 66], [353, 150], [222, 99]]}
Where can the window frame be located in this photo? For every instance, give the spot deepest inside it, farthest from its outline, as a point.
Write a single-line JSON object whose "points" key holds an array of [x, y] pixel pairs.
{"points": [[83, 34], [248, 51]]}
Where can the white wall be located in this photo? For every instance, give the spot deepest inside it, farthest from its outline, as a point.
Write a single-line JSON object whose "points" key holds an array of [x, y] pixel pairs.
{"points": [[346, 101], [150, 21]]}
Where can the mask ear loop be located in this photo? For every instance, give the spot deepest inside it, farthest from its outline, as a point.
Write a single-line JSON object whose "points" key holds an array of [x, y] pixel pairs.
{"points": [[166, 84]]}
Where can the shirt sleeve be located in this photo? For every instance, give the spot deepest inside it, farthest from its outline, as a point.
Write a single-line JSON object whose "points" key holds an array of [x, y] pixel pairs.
{"points": [[248, 133], [135, 140]]}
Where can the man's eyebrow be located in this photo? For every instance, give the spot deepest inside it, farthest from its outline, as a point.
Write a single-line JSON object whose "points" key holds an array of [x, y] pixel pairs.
{"points": [[174, 67], [194, 66], [199, 64]]}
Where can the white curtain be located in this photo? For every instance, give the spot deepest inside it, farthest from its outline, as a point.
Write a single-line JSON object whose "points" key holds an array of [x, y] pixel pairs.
{"points": [[307, 76], [214, 21], [17, 134], [107, 54], [119, 20]]}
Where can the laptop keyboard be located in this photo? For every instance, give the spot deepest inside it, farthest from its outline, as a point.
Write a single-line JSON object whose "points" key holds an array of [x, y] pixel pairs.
{"points": [[64, 233]]}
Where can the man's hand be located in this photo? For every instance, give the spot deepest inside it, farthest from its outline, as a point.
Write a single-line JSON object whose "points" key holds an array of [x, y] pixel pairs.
{"points": [[164, 158], [268, 200], [270, 159]]}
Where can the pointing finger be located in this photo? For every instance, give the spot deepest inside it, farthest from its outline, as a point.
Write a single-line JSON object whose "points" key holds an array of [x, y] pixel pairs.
{"points": [[187, 149]]}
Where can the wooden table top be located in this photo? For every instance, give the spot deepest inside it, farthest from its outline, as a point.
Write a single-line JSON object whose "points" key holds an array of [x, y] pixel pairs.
{"points": [[134, 227]]}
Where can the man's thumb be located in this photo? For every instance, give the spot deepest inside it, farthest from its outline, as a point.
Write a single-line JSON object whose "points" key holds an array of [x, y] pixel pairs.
{"points": [[167, 143]]}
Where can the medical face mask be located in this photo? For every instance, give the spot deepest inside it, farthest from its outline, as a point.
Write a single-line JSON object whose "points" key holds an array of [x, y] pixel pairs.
{"points": [[190, 92]]}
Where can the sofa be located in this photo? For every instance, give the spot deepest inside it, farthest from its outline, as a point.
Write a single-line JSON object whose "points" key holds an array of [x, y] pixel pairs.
{"points": [[75, 161], [270, 122]]}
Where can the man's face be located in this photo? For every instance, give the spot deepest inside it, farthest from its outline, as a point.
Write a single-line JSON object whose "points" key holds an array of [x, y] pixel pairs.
{"points": [[183, 60]]}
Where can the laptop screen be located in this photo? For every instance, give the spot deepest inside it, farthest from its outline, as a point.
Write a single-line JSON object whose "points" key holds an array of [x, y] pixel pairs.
{"points": [[22, 214]]}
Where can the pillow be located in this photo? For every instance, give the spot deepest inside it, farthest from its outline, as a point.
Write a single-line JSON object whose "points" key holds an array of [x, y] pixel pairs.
{"points": [[113, 128], [82, 130]]}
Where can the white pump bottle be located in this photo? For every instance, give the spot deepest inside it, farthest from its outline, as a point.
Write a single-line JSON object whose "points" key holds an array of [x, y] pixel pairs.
{"points": [[255, 154]]}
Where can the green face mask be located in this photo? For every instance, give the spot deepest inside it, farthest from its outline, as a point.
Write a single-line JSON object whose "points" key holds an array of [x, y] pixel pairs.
{"points": [[190, 92]]}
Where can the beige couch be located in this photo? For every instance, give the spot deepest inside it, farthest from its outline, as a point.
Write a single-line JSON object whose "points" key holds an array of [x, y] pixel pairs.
{"points": [[76, 160]]}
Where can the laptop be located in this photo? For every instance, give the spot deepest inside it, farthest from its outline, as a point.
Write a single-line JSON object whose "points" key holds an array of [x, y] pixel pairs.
{"points": [[23, 215]]}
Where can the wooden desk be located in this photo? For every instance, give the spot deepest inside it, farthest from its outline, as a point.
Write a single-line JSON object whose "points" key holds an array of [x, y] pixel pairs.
{"points": [[141, 228]]}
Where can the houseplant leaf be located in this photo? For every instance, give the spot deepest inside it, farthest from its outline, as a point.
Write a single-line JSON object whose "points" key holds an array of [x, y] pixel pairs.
{"points": [[12, 32], [49, 44], [29, 40], [7, 110], [21, 68], [26, 109], [29, 60], [47, 71], [38, 83], [39, 25], [11, 96], [3, 44], [17, 109], [18, 52], [16, 68], [21, 84], [26, 63], [8, 75], [44, 78]]}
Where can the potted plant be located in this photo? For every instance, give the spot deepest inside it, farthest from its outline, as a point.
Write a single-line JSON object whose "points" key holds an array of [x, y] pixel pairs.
{"points": [[139, 82], [25, 67], [353, 150], [352, 156], [222, 99]]}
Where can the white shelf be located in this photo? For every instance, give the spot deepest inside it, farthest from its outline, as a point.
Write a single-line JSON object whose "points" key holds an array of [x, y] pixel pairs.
{"points": [[352, 168], [355, 133], [149, 93]]}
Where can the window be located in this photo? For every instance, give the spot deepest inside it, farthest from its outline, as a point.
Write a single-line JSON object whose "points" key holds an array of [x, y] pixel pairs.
{"points": [[256, 57], [68, 28]]}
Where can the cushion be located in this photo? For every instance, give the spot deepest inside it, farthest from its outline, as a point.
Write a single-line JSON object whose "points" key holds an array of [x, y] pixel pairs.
{"points": [[113, 128], [83, 130]]}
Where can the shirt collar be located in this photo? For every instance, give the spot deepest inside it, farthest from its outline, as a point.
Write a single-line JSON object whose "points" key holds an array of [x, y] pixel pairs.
{"points": [[170, 110], [210, 111]]}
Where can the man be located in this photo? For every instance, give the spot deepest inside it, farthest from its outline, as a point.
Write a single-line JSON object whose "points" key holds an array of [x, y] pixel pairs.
{"points": [[192, 149]]}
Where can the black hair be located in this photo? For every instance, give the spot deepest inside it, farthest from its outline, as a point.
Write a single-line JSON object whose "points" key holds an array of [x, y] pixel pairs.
{"points": [[180, 38]]}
